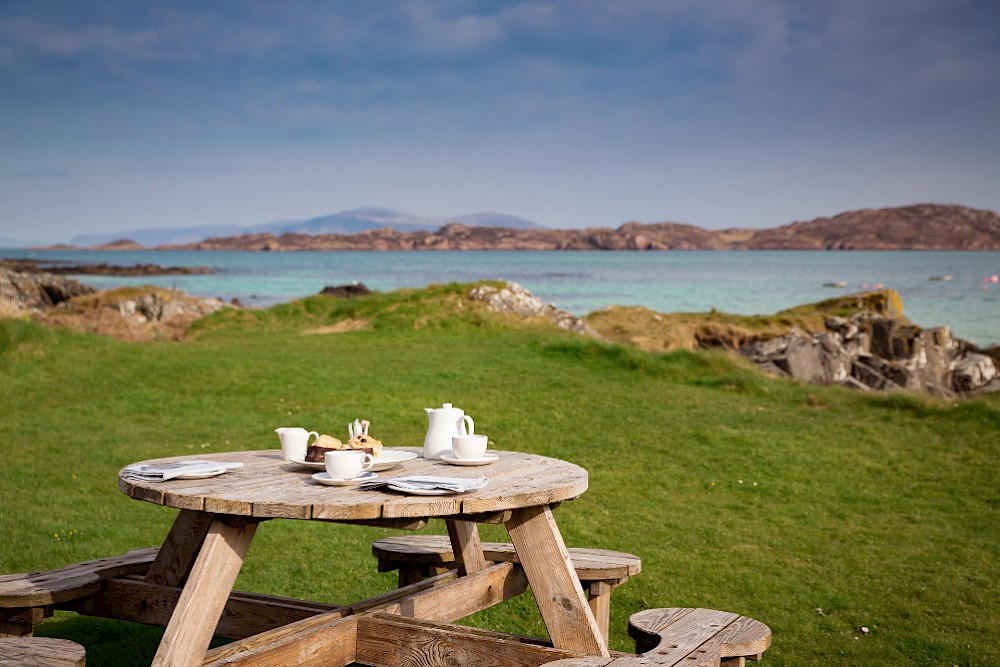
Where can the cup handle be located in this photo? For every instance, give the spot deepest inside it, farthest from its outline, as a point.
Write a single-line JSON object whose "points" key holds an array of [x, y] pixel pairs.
{"points": [[467, 424], [311, 433], [368, 461]]}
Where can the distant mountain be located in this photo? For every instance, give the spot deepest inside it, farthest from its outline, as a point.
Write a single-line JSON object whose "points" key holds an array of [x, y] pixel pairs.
{"points": [[346, 222]]}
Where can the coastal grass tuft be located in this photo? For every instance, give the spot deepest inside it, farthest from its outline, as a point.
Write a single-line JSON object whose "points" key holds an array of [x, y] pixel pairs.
{"points": [[816, 510]]}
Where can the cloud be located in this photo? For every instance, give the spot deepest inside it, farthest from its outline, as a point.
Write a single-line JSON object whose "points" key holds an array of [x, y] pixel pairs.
{"points": [[28, 37]]}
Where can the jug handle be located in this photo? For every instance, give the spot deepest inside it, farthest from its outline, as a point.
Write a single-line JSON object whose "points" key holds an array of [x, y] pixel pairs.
{"points": [[467, 424], [311, 433]]}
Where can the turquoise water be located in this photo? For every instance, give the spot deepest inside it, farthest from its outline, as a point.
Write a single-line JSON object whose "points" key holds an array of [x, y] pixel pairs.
{"points": [[758, 282]]}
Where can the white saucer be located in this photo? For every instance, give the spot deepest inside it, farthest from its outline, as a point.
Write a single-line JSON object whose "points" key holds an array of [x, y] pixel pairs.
{"points": [[388, 459], [324, 478], [420, 492], [449, 457], [201, 475]]}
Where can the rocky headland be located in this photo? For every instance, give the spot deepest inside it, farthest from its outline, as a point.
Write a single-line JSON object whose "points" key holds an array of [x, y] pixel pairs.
{"points": [[916, 227]]}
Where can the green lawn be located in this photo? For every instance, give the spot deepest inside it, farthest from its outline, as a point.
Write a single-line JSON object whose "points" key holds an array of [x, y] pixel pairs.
{"points": [[815, 510]]}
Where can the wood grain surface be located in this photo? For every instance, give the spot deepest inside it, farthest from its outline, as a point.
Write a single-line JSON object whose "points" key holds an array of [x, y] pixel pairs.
{"points": [[41, 652], [268, 486]]}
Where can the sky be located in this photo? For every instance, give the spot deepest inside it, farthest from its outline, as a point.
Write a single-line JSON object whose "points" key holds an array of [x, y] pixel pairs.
{"points": [[118, 115]]}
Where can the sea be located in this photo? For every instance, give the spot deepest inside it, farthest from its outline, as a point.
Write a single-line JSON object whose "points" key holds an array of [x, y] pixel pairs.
{"points": [[743, 282]]}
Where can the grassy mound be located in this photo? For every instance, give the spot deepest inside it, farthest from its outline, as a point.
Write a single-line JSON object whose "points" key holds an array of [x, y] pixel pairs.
{"points": [[660, 332], [816, 510]]}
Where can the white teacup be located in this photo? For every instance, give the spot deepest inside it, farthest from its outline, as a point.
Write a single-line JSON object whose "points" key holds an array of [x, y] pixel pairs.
{"points": [[294, 442], [347, 463], [468, 446]]}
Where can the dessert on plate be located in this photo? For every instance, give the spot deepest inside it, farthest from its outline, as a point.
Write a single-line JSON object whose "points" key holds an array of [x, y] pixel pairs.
{"points": [[360, 440]]}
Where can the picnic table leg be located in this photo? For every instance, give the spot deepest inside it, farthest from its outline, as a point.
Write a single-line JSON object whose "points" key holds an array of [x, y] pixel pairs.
{"points": [[176, 556], [466, 546], [204, 597], [553, 580]]}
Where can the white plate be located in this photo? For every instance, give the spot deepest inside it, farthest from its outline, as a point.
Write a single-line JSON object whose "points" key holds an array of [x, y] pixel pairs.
{"points": [[388, 459], [385, 461], [449, 457], [324, 478], [201, 475], [420, 492], [315, 465]]}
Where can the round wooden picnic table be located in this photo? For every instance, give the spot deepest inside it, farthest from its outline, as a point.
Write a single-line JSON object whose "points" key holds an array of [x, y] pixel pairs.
{"points": [[269, 487], [205, 548]]}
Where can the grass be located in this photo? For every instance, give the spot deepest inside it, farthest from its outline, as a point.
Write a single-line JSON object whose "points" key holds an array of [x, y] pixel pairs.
{"points": [[815, 510]]}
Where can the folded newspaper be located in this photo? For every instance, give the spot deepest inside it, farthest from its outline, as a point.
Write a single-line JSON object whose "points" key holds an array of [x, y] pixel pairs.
{"points": [[418, 483], [161, 472]]}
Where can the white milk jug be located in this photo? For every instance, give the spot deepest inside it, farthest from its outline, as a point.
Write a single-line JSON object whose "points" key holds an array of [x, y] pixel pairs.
{"points": [[444, 423]]}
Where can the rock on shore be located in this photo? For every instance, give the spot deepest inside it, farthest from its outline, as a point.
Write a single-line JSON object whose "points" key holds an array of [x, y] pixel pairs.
{"points": [[870, 351], [129, 313], [33, 293], [512, 298]]}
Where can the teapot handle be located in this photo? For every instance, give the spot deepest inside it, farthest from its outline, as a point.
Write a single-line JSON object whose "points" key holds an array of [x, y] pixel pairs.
{"points": [[466, 424], [311, 433]]}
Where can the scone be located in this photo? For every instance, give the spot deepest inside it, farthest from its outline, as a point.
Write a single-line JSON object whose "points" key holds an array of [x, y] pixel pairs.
{"points": [[361, 440], [367, 443]]}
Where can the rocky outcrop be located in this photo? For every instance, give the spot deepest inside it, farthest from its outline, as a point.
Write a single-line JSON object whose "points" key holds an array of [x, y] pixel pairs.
{"points": [[917, 227], [863, 341], [874, 351], [157, 305], [133, 313], [130, 313], [346, 291], [514, 299], [34, 293]]}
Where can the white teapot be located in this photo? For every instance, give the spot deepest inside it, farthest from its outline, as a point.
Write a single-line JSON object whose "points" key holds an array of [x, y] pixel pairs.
{"points": [[444, 423]]}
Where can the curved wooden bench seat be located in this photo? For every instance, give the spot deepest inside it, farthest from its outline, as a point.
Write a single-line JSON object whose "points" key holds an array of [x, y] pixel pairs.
{"points": [[420, 556], [590, 564], [688, 637], [25, 598], [39, 651], [670, 636]]}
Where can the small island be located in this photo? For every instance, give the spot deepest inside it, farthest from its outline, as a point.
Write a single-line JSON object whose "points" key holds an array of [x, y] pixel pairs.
{"points": [[65, 268]]}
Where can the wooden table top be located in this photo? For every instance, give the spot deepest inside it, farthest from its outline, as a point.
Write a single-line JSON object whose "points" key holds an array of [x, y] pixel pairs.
{"points": [[268, 486]]}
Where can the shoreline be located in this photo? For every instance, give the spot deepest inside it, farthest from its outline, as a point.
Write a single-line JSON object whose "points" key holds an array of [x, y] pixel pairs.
{"points": [[740, 283]]}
